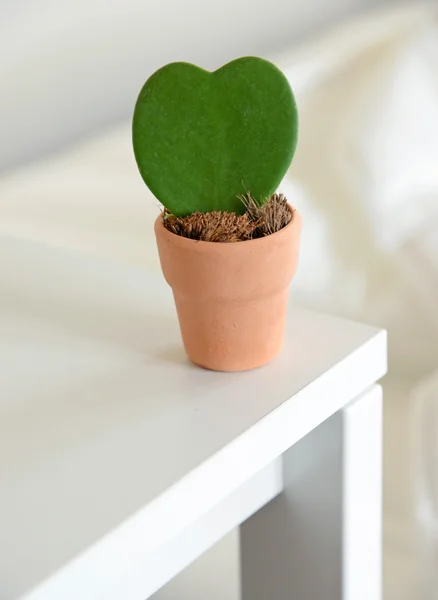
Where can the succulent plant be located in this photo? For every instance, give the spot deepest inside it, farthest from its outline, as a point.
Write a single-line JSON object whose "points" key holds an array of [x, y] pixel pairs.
{"points": [[203, 139]]}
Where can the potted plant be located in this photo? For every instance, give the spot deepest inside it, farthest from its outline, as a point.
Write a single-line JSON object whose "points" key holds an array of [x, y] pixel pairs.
{"points": [[213, 148]]}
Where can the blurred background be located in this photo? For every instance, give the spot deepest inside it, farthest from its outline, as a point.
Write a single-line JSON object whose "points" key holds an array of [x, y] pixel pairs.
{"points": [[365, 178]]}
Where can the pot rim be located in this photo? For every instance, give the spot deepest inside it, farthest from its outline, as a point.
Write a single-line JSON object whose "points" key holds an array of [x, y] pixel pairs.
{"points": [[183, 241]]}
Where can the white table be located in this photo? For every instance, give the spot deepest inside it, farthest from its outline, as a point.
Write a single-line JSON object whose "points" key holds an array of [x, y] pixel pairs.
{"points": [[120, 463]]}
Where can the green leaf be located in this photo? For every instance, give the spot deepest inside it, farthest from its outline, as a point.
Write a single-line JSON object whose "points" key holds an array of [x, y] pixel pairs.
{"points": [[201, 139]]}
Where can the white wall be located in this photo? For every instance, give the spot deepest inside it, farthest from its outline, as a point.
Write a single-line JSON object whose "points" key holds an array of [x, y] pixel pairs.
{"points": [[72, 67]]}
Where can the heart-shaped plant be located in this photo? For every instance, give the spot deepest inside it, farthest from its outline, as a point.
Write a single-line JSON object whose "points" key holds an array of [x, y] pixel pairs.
{"points": [[203, 139]]}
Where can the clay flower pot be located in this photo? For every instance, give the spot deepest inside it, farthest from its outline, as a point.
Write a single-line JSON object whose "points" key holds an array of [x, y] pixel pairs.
{"points": [[231, 298]]}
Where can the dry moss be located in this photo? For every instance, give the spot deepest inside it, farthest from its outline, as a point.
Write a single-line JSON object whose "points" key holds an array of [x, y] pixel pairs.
{"points": [[211, 227], [257, 221]]}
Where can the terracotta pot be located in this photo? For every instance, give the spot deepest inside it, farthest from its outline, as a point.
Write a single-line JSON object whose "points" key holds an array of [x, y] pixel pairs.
{"points": [[231, 298]]}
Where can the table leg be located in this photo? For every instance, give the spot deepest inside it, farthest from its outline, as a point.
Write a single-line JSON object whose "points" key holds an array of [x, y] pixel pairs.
{"points": [[320, 539]]}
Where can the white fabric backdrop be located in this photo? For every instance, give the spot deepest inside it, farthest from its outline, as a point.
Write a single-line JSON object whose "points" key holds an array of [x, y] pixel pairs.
{"points": [[80, 63]]}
